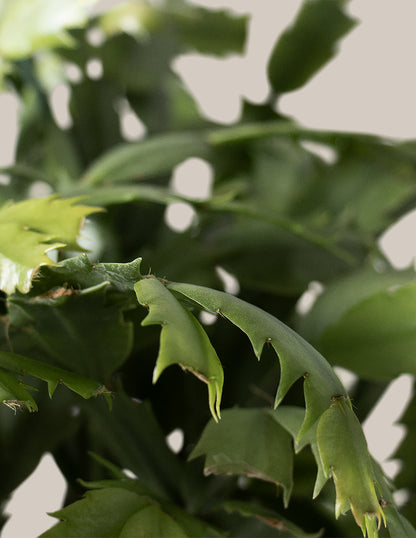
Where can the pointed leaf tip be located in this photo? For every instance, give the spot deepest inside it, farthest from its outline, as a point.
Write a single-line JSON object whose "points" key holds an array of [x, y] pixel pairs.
{"points": [[296, 356], [85, 387], [345, 456], [183, 340]]}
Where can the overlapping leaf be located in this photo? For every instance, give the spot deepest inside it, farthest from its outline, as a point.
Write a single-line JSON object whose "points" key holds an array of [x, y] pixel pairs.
{"points": [[291, 418], [250, 443], [351, 467], [344, 293], [80, 272], [297, 357], [191, 24], [149, 158], [270, 517], [124, 509], [345, 457], [183, 341], [87, 388], [52, 328], [133, 438], [32, 228], [13, 393], [376, 337]]}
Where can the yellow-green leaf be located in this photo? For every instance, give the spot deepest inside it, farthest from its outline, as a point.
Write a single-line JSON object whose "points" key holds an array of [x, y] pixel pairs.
{"points": [[26, 27], [32, 228]]}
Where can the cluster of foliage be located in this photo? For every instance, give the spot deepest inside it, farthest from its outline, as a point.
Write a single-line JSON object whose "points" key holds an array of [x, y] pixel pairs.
{"points": [[106, 328]]}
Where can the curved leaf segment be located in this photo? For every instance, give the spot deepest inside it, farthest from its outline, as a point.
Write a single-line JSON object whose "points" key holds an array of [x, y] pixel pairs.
{"points": [[13, 393], [329, 420], [183, 341], [297, 357]]}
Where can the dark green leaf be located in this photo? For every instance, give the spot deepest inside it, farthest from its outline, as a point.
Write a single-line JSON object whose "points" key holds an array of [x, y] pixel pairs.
{"points": [[80, 330], [291, 418], [25, 437], [183, 341], [270, 517], [132, 436], [113, 513], [123, 509], [248, 442], [13, 393], [307, 45], [193, 25], [344, 293], [376, 337], [86, 388], [142, 160], [125, 194]]}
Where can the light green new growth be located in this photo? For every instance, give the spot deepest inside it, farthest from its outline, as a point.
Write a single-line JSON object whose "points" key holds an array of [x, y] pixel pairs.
{"points": [[32, 228], [41, 23]]}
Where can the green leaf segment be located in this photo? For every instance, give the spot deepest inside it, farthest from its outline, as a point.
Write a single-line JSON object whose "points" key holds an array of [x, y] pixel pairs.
{"points": [[297, 357], [342, 448], [183, 341], [123, 508], [328, 423], [32, 228], [87, 388], [230, 448], [344, 453]]}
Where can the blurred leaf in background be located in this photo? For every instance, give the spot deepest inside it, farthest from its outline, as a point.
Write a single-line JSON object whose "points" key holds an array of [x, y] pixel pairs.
{"points": [[105, 126]]}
